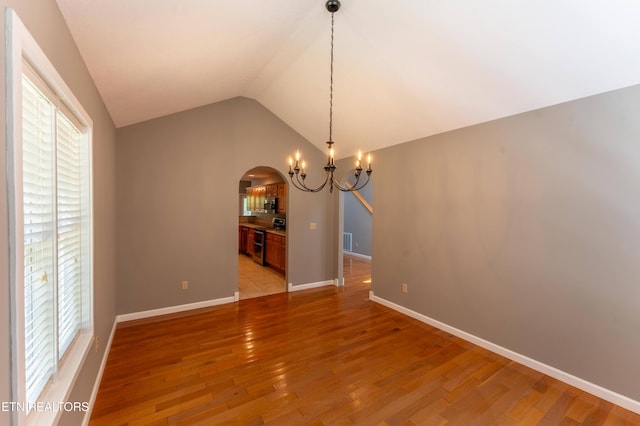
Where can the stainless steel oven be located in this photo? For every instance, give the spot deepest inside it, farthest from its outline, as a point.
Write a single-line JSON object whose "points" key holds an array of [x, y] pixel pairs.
{"points": [[259, 242]]}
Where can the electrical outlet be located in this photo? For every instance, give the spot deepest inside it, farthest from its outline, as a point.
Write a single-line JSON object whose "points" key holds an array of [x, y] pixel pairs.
{"points": [[97, 344], [405, 287], [185, 285]]}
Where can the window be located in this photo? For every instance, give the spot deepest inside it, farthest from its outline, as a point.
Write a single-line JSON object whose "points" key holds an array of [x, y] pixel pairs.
{"points": [[51, 231], [245, 206]]}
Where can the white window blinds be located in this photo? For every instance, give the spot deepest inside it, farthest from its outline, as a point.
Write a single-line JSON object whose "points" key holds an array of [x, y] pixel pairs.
{"points": [[39, 272], [69, 210], [55, 196]]}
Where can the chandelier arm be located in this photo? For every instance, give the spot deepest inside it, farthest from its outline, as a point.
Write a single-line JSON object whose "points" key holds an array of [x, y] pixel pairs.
{"points": [[354, 187], [303, 187], [340, 187], [299, 186], [343, 188], [293, 182]]}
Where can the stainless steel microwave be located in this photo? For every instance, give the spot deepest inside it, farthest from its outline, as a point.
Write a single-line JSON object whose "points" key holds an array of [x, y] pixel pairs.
{"points": [[271, 204]]}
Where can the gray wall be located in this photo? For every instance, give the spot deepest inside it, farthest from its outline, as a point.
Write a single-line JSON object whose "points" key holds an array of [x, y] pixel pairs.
{"points": [[525, 232], [177, 186], [522, 231], [44, 21], [357, 219]]}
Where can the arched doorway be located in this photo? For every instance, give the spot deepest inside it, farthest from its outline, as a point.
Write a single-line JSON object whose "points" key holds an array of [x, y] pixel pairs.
{"points": [[262, 235]]}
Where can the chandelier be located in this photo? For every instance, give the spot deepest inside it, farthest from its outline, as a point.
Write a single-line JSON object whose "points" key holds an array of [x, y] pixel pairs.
{"points": [[297, 167]]}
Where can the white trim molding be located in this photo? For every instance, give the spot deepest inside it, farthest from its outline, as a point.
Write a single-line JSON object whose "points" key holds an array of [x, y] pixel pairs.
{"points": [[22, 47], [103, 364], [174, 309], [354, 254], [311, 285], [592, 388]]}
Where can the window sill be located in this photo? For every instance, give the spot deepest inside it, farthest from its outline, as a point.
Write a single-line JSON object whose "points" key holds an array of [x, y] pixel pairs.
{"points": [[58, 393]]}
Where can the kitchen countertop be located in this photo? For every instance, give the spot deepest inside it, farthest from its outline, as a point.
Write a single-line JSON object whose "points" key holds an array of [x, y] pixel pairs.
{"points": [[266, 228], [277, 231]]}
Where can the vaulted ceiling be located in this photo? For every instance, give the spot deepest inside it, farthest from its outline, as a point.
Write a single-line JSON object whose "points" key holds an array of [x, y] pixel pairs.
{"points": [[403, 69]]}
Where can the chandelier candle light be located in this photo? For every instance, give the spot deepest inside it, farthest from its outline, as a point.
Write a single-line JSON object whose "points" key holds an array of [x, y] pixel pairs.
{"points": [[297, 168]]}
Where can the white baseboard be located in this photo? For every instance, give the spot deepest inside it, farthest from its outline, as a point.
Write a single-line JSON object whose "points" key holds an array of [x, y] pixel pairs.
{"points": [[311, 285], [354, 254], [236, 296], [96, 386], [592, 388], [174, 309]]}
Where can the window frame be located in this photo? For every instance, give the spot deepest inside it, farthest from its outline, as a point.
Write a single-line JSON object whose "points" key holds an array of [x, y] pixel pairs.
{"points": [[21, 46]]}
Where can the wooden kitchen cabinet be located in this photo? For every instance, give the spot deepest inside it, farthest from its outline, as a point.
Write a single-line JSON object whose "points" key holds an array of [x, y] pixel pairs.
{"points": [[250, 200], [242, 239], [246, 237], [270, 253], [276, 252], [250, 240], [272, 190], [256, 196], [262, 193], [281, 189], [282, 258], [254, 199]]}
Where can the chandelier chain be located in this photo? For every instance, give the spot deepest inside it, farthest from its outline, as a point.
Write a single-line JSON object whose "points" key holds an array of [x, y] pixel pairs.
{"points": [[331, 85]]}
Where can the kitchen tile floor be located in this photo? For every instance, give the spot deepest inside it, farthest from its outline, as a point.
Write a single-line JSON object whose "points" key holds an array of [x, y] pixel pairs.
{"points": [[255, 280]]}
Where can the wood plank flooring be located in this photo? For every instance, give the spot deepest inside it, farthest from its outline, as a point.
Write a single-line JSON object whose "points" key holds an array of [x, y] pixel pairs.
{"points": [[320, 357]]}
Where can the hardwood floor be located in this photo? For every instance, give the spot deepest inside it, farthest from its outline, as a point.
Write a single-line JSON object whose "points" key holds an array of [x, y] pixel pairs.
{"points": [[319, 357], [255, 280]]}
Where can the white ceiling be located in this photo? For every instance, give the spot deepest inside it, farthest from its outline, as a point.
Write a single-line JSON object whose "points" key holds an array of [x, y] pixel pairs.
{"points": [[403, 69]]}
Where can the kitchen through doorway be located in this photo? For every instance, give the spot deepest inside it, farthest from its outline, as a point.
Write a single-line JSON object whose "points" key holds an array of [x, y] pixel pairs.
{"points": [[262, 233]]}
